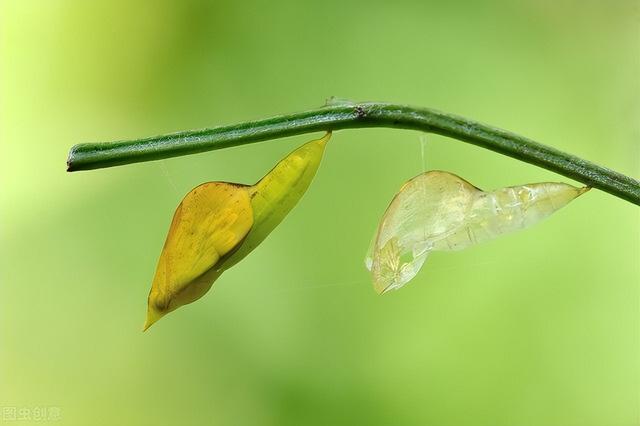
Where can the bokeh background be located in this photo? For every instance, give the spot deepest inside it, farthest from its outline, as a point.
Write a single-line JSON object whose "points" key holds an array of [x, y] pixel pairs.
{"points": [[536, 328]]}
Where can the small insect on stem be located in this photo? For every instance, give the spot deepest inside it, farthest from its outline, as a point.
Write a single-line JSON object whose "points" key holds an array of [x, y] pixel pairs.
{"points": [[439, 211]]}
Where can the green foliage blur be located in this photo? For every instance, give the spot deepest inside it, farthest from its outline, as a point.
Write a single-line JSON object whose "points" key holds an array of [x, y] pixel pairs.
{"points": [[536, 328]]}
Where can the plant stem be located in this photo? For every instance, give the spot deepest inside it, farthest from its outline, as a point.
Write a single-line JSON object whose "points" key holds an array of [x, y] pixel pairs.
{"points": [[349, 116]]}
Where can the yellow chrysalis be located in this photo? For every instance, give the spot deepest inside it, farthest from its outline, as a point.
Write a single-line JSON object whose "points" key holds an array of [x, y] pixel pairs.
{"points": [[438, 210], [217, 224]]}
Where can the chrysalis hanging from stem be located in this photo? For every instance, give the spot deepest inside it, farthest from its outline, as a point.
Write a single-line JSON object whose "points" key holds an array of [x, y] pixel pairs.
{"points": [[217, 224], [438, 210]]}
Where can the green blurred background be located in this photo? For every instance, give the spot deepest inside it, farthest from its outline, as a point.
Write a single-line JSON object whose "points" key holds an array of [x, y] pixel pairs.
{"points": [[536, 328]]}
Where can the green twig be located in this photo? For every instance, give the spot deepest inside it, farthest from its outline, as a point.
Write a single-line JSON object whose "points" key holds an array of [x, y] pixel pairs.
{"points": [[349, 116]]}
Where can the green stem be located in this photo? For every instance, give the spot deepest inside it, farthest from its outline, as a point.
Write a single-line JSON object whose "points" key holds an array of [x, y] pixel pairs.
{"points": [[348, 116]]}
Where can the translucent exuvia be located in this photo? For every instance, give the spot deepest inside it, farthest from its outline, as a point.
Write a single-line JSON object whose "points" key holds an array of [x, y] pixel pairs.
{"points": [[438, 210]]}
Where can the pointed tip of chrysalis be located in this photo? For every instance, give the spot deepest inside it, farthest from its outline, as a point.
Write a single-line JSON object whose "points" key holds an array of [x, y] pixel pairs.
{"points": [[152, 317], [380, 290], [583, 190], [323, 140]]}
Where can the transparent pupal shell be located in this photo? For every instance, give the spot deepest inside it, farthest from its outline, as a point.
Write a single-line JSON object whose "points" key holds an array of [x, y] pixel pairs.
{"points": [[508, 210], [429, 207], [438, 210]]}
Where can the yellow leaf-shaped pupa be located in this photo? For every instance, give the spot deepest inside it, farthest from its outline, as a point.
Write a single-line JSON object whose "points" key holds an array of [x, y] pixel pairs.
{"points": [[438, 210], [217, 224]]}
